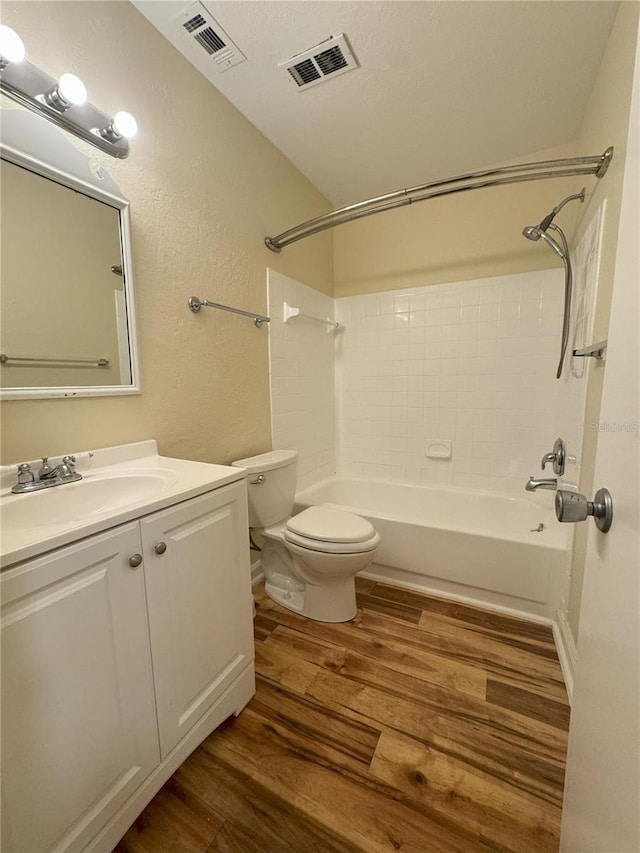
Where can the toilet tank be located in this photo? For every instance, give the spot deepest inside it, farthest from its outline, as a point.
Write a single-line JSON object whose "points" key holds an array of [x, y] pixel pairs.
{"points": [[270, 500]]}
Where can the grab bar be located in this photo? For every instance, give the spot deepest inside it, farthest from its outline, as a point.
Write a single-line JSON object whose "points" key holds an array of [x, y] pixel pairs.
{"points": [[99, 362], [196, 304]]}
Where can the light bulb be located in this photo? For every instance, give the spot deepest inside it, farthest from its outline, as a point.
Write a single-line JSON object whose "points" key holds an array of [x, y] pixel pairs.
{"points": [[11, 46], [125, 125], [72, 90]]}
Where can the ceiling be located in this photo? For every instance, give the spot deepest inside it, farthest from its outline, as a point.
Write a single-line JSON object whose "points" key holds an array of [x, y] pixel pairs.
{"points": [[441, 88]]}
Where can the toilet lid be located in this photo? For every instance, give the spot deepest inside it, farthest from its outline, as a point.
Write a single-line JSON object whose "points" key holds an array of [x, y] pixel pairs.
{"points": [[330, 525], [332, 547]]}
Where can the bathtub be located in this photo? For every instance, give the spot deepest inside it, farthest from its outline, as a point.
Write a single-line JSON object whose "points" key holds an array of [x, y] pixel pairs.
{"points": [[472, 546]]}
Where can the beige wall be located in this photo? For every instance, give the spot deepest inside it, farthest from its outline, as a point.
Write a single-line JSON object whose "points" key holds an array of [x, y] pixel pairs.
{"points": [[606, 123], [459, 237], [205, 188]]}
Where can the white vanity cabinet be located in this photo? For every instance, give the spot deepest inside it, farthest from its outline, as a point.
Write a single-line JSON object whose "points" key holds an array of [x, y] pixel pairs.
{"points": [[200, 610], [78, 710], [114, 668]]}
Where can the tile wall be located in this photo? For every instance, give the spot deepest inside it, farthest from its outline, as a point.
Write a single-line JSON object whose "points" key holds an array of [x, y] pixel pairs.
{"points": [[471, 363], [468, 362], [302, 361]]}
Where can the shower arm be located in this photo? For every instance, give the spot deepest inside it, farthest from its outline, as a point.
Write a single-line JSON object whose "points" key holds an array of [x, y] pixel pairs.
{"points": [[542, 170]]}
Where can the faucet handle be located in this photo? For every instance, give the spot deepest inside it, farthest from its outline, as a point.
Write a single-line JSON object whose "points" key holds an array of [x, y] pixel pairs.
{"points": [[556, 457], [70, 462], [548, 457], [25, 474]]}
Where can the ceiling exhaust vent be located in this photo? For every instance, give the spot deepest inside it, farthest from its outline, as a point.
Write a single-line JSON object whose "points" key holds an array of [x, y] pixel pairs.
{"points": [[326, 60], [207, 36]]}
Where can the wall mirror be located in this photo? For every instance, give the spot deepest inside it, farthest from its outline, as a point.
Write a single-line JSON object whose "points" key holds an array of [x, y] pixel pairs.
{"points": [[67, 318]]}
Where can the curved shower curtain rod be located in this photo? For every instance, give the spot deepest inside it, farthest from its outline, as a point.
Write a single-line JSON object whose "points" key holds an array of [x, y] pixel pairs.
{"points": [[596, 165]]}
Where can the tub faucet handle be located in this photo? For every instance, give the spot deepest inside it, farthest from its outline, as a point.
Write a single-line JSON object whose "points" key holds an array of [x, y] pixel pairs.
{"points": [[556, 457], [548, 457]]}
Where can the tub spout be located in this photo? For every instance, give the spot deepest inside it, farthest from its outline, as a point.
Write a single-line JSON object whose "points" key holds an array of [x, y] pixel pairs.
{"points": [[533, 484]]}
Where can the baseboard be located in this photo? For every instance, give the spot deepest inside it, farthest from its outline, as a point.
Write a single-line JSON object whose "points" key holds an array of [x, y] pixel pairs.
{"points": [[408, 580], [567, 651]]}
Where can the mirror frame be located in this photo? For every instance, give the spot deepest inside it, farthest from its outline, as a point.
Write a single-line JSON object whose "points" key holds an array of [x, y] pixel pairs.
{"points": [[34, 144]]}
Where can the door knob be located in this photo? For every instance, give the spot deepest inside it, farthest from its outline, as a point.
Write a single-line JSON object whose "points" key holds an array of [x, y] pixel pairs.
{"points": [[160, 548], [570, 506], [135, 561]]}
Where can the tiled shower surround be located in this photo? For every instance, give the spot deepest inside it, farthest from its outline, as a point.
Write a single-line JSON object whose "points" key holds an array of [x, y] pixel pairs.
{"points": [[470, 362]]}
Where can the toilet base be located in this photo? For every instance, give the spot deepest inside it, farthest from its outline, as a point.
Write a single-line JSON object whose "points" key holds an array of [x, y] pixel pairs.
{"points": [[285, 591], [333, 601], [328, 603]]}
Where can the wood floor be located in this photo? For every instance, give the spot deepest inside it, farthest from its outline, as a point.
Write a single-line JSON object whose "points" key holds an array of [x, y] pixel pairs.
{"points": [[422, 726]]}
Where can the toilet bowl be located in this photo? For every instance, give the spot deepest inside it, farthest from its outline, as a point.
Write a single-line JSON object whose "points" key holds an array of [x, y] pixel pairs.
{"points": [[310, 559]]}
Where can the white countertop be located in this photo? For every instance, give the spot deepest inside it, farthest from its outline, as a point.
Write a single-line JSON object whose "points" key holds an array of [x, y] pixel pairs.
{"points": [[119, 484]]}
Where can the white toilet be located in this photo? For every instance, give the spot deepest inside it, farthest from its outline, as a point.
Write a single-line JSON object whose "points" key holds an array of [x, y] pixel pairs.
{"points": [[309, 560]]}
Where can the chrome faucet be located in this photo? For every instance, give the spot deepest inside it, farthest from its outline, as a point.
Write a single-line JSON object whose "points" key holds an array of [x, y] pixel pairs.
{"points": [[66, 470], [533, 484], [47, 476]]}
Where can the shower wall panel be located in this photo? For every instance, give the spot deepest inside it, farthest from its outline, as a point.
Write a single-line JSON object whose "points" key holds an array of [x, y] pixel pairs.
{"points": [[301, 367]]}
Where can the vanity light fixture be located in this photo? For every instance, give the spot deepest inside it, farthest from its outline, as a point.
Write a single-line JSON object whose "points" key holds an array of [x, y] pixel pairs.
{"points": [[69, 92], [123, 125], [63, 102], [11, 46]]}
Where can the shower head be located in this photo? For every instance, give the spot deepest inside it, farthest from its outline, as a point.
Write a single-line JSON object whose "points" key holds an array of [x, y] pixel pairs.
{"points": [[532, 232], [535, 232], [539, 232]]}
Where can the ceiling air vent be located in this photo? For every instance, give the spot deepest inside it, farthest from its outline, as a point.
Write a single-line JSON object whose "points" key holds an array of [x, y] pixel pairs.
{"points": [[207, 36], [326, 60]]}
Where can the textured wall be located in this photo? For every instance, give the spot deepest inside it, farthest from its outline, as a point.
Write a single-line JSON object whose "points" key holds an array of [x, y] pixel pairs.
{"points": [[205, 188]]}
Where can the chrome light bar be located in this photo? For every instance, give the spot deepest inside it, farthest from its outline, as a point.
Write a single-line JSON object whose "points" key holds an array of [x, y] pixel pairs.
{"points": [[63, 101]]}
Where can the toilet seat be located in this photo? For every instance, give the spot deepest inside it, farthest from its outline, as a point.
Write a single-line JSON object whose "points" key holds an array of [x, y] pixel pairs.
{"points": [[331, 531]]}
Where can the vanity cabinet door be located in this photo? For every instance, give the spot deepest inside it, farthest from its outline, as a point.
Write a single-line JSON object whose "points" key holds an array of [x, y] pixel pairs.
{"points": [[78, 712], [200, 605]]}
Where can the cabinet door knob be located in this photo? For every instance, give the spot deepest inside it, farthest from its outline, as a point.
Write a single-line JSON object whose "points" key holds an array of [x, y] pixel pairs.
{"points": [[135, 561], [160, 548]]}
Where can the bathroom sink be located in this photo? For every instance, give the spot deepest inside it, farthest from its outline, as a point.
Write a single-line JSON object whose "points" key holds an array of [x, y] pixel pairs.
{"points": [[83, 499], [119, 484]]}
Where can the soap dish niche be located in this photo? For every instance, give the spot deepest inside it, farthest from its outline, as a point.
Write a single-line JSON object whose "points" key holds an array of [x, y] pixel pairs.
{"points": [[438, 448]]}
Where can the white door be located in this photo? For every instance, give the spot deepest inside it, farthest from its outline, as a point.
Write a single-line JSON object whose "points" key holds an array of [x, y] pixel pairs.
{"points": [[602, 792], [200, 605], [79, 730]]}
